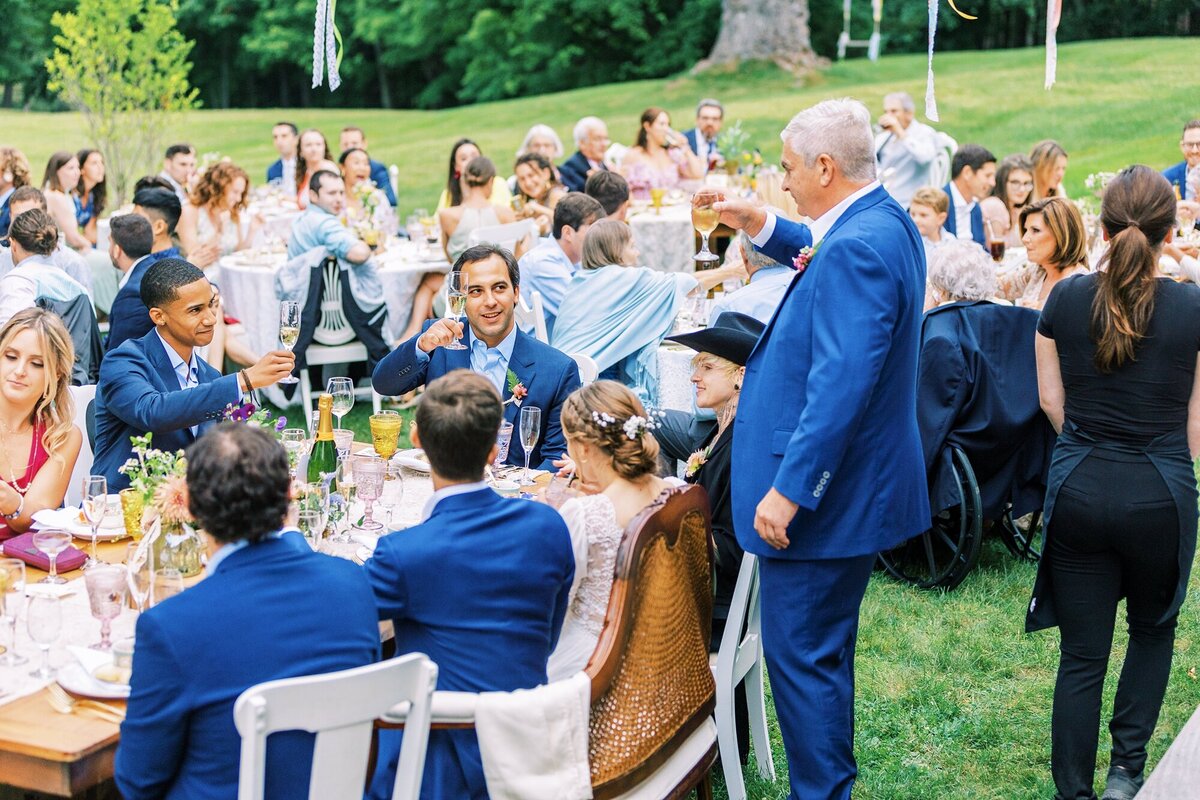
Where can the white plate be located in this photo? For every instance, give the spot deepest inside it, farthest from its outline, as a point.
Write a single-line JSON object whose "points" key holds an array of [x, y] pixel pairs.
{"points": [[413, 459], [112, 527], [73, 678], [362, 554]]}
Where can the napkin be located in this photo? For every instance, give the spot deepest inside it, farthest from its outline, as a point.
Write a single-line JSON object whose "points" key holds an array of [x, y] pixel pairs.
{"points": [[22, 547]]}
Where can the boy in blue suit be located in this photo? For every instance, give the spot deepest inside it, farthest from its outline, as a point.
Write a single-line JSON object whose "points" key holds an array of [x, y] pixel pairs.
{"points": [[827, 465], [269, 609], [481, 586], [513, 361], [158, 383]]}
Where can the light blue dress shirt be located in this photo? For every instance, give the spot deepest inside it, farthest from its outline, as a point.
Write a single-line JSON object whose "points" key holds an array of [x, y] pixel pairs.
{"points": [[188, 372], [760, 297], [316, 227], [547, 269], [491, 362]]}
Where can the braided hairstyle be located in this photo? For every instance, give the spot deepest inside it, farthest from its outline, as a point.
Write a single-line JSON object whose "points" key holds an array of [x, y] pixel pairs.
{"points": [[599, 414]]}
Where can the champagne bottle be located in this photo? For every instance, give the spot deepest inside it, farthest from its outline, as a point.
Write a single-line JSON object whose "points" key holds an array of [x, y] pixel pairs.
{"points": [[322, 461]]}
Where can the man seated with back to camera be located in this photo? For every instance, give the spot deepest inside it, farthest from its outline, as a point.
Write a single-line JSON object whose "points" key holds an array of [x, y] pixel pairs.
{"points": [[129, 317]]}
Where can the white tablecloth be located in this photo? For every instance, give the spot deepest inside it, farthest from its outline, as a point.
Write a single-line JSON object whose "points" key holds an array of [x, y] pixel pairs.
{"points": [[666, 240], [675, 392]]}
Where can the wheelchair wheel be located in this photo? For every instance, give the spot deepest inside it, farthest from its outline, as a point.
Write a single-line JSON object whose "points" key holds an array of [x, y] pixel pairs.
{"points": [[942, 556], [1023, 537]]}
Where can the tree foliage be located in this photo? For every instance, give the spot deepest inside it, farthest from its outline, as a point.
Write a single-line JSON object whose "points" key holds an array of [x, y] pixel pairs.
{"points": [[124, 65]]}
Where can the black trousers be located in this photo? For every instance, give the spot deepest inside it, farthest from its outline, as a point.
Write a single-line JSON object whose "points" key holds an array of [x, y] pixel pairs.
{"points": [[1114, 533]]}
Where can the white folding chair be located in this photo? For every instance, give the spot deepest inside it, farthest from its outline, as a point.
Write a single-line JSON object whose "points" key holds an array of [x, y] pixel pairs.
{"points": [[81, 396], [341, 709], [505, 236], [531, 317], [588, 369], [939, 170], [333, 340], [740, 658]]}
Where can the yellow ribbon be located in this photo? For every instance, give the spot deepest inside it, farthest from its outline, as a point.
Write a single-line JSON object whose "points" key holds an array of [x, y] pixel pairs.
{"points": [[960, 13]]}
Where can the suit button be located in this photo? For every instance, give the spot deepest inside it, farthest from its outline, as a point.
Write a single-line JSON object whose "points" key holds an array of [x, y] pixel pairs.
{"points": [[816, 493], [824, 474]]}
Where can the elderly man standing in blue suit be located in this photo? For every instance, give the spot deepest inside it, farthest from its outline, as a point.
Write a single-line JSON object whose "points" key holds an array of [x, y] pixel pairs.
{"points": [[827, 465]]}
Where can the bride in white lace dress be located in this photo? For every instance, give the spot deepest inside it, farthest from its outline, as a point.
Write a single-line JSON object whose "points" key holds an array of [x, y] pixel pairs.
{"points": [[615, 458]]}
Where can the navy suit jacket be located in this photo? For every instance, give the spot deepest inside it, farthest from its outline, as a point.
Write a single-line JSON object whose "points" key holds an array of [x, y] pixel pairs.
{"points": [[977, 232], [1177, 175], [693, 139], [129, 318], [827, 414], [256, 619], [481, 587], [548, 374], [139, 392], [5, 216], [275, 171], [574, 172], [383, 181]]}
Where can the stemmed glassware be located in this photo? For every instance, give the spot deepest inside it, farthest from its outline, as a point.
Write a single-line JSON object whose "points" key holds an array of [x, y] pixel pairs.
{"points": [[342, 392], [344, 483], [368, 479], [52, 543], [314, 497], [12, 595], [456, 302], [309, 522], [94, 504], [704, 220], [531, 428], [289, 330], [393, 490], [385, 433], [293, 441], [44, 620], [168, 582], [106, 585], [343, 441], [503, 443], [140, 575]]}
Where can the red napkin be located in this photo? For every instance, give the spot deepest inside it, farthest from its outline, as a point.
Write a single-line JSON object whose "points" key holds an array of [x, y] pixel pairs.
{"points": [[22, 547]]}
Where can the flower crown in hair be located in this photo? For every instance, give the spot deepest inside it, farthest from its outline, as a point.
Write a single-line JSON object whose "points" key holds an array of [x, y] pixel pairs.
{"points": [[635, 427]]}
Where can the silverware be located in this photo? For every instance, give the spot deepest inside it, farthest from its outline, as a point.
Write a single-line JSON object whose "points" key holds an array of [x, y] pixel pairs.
{"points": [[64, 703]]}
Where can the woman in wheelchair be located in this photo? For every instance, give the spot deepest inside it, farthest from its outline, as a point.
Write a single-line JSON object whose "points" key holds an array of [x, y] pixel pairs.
{"points": [[1117, 375]]}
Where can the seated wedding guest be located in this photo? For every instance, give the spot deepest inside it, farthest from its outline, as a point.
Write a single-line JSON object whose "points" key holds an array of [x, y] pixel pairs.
{"points": [[130, 239], [255, 618], [1116, 360], [591, 141], [158, 383], [179, 167], [972, 178], [152, 182], [37, 413], [353, 138], [549, 266], [462, 153], [1055, 246], [929, 209], [311, 152], [359, 176], [540, 139], [1184, 176], [90, 193], [65, 258], [475, 211], [904, 149], [763, 291], [1013, 191], [495, 347], [1049, 166], [612, 190], [210, 222], [129, 316], [14, 173], [710, 115], [959, 271], [34, 276], [538, 191], [613, 451], [660, 158], [617, 313], [285, 136], [480, 586], [58, 183]]}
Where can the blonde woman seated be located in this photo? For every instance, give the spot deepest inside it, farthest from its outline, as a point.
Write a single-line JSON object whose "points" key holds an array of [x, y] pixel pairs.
{"points": [[1049, 161], [1056, 246], [38, 440], [615, 457], [616, 312], [959, 271], [213, 222]]}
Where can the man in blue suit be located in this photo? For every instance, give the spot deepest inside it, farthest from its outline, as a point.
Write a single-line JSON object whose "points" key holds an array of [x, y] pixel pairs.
{"points": [[827, 466], [255, 618], [1179, 174], [128, 317], [972, 178], [353, 137], [480, 586], [523, 370], [591, 137], [286, 138], [158, 384], [710, 114]]}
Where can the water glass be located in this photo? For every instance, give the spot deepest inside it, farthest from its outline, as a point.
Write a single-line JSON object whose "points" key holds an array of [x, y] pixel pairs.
{"points": [[315, 497], [531, 429], [503, 441], [368, 479], [94, 504], [342, 392], [293, 441], [343, 441], [52, 543], [289, 330], [44, 621], [343, 479], [12, 595], [106, 585], [168, 582]]}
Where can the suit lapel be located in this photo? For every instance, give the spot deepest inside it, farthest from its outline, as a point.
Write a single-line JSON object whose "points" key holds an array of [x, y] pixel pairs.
{"points": [[155, 350], [522, 365], [952, 217], [977, 225]]}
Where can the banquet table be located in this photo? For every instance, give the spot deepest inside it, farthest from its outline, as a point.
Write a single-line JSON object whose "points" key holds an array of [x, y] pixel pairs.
{"points": [[665, 237]]}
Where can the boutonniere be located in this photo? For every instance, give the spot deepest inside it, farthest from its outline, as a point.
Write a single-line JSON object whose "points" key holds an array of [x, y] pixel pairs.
{"points": [[516, 389], [695, 461], [804, 258]]}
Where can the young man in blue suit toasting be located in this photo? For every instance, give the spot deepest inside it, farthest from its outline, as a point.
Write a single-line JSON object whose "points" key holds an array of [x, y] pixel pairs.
{"points": [[480, 586], [827, 465]]}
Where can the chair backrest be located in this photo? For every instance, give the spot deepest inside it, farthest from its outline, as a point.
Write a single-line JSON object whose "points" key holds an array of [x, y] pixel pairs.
{"points": [[83, 397], [340, 708], [653, 649], [531, 316], [505, 236], [588, 369], [939, 169], [79, 317], [741, 642], [332, 326], [394, 179]]}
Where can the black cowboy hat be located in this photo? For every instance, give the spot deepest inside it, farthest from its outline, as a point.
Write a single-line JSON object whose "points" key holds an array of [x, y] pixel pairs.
{"points": [[732, 336]]}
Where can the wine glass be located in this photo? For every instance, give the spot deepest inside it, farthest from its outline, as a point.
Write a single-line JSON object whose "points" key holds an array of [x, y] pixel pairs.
{"points": [[393, 490], [456, 302], [140, 566], [293, 441], [106, 585], [289, 330], [368, 479], [52, 543], [385, 433], [531, 428], [44, 621], [94, 504], [704, 220], [342, 392], [168, 582], [12, 594]]}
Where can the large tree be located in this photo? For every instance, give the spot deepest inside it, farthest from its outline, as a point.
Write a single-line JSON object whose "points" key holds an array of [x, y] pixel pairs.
{"points": [[775, 30]]}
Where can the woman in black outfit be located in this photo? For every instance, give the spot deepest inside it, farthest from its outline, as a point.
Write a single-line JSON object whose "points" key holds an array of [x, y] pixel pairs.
{"points": [[1117, 374]]}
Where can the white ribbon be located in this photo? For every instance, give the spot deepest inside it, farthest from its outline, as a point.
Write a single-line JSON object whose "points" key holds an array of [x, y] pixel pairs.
{"points": [[1053, 14], [930, 98], [325, 46]]}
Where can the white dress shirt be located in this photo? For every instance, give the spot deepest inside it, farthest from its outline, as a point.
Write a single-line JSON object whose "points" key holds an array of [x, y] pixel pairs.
{"points": [[449, 491], [962, 212], [822, 224]]}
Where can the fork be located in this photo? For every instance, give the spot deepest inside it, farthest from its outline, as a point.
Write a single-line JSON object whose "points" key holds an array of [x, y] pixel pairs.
{"points": [[64, 703]]}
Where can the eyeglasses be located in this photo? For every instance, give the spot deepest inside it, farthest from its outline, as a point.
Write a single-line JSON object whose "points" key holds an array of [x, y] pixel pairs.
{"points": [[1021, 184], [1190, 145]]}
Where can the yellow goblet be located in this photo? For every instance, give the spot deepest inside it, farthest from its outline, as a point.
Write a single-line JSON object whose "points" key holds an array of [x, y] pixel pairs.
{"points": [[656, 199], [385, 433], [132, 505]]}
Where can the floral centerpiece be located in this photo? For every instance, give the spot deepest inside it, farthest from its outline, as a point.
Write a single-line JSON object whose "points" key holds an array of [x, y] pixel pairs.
{"points": [[741, 157], [365, 224], [251, 414], [161, 478]]}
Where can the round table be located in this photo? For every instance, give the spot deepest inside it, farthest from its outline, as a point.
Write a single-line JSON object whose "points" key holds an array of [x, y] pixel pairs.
{"points": [[665, 237], [675, 391]]}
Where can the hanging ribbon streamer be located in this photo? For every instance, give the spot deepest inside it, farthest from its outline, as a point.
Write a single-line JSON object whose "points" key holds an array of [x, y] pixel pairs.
{"points": [[931, 111], [1053, 15], [327, 45]]}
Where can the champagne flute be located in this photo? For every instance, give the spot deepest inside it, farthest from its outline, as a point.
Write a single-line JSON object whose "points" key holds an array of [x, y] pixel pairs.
{"points": [[309, 522], [94, 504], [289, 330], [368, 477], [704, 220], [315, 497], [531, 428], [44, 621], [52, 543], [106, 586], [342, 392], [393, 490], [293, 441], [168, 582], [344, 483], [141, 574], [456, 297], [12, 595]]}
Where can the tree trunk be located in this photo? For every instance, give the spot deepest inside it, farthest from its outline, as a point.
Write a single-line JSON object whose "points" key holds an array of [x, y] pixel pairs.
{"points": [[385, 93], [223, 100], [775, 30]]}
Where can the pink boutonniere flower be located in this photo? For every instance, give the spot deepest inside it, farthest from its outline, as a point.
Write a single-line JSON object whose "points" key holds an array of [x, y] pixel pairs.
{"points": [[695, 461], [516, 388], [803, 259]]}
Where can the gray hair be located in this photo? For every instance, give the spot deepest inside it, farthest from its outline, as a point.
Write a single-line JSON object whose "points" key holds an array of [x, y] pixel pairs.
{"points": [[709, 102], [840, 129], [586, 126], [544, 131], [961, 270], [903, 98], [754, 259]]}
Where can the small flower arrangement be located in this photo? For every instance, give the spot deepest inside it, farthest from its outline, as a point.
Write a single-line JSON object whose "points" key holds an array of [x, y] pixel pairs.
{"points": [[161, 477], [515, 388], [695, 461], [739, 154], [634, 428], [250, 414], [804, 258]]}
